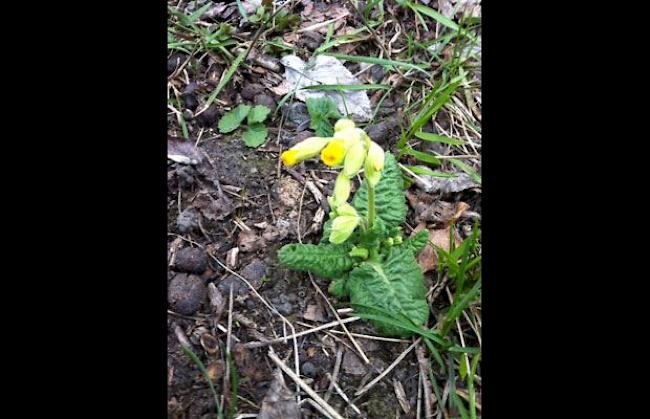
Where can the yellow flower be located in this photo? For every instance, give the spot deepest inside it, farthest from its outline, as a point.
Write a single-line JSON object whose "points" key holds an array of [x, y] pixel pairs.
{"points": [[342, 124], [341, 189], [333, 154], [354, 159], [304, 150], [350, 136]]}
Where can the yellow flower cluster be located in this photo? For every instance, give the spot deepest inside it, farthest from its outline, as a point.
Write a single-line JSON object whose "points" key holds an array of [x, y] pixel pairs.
{"points": [[351, 148]]}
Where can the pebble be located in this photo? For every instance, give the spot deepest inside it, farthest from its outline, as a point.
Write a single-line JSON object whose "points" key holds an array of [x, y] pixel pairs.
{"points": [[308, 369], [191, 260], [209, 117], [186, 293], [187, 221], [253, 272]]}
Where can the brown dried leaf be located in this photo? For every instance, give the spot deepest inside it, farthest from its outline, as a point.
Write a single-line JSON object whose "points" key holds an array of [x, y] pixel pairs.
{"points": [[249, 241], [314, 313], [279, 402], [213, 209], [428, 257]]}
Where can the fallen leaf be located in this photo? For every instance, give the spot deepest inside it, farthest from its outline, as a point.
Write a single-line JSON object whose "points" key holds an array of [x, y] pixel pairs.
{"points": [[458, 183], [279, 402], [249, 241], [428, 257], [401, 396], [326, 70], [352, 364], [183, 151], [213, 209], [314, 313]]}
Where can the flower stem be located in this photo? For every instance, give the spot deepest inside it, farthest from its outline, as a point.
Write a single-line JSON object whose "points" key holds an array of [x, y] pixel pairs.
{"points": [[371, 204]]}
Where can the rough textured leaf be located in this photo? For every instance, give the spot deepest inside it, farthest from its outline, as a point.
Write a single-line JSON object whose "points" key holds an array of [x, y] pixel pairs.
{"points": [[395, 286], [338, 287], [326, 260], [320, 111], [231, 120], [389, 195], [255, 135], [258, 114], [417, 242]]}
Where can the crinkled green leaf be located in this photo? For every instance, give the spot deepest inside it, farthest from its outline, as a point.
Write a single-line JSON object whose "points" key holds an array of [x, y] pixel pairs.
{"points": [[231, 120], [326, 260], [327, 229], [321, 110], [389, 195], [255, 135], [417, 242], [258, 114], [338, 287], [394, 286]]}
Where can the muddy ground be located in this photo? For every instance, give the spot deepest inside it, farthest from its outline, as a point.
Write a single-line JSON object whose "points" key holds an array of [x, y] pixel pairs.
{"points": [[234, 208]]}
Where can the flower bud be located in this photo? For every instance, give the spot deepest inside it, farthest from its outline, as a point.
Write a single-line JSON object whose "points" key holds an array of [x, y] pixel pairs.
{"points": [[346, 209], [361, 252], [304, 150], [342, 227], [342, 189], [354, 159], [375, 156], [342, 124]]}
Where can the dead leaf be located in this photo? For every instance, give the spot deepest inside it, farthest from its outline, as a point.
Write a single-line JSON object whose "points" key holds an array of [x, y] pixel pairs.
{"points": [[401, 396], [279, 402], [249, 241], [314, 313], [213, 209], [428, 257], [458, 183], [311, 351], [217, 301], [183, 151]]}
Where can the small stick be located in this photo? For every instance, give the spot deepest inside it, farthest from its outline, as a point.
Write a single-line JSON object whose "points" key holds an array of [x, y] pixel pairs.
{"points": [[389, 369], [250, 345], [335, 374], [426, 384], [343, 395], [329, 409], [338, 318]]}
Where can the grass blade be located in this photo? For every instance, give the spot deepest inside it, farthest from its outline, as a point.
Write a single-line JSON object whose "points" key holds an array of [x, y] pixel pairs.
{"points": [[424, 171], [467, 169], [425, 157], [438, 17], [242, 11], [204, 371], [470, 387], [380, 61], [344, 87], [435, 138], [459, 306], [224, 81]]}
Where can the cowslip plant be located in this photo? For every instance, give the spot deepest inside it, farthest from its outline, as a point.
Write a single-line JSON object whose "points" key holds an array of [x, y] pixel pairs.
{"points": [[362, 249], [256, 132]]}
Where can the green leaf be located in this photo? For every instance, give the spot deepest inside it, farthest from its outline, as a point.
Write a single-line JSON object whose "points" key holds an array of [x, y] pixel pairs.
{"points": [[255, 135], [425, 157], [389, 195], [395, 286], [443, 20], [338, 288], [258, 114], [417, 242], [321, 110], [424, 171], [231, 120], [326, 260], [427, 136], [380, 61], [467, 169]]}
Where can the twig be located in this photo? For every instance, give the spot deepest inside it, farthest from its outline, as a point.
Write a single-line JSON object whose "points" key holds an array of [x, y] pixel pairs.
{"points": [[342, 394], [389, 369], [335, 373], [250, 345], [426, 384], [338, 318], [329, 409]]}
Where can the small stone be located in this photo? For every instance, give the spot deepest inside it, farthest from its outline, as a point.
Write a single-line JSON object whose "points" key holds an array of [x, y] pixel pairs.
{"points": [[191, 260], [285, 308], [308, 369], [297, 114], [352, 364], [265, 100], [251, 90], [209, 117], [186, 293], [288, 192], [253, 272], [189, 101], [187, 221]]}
